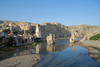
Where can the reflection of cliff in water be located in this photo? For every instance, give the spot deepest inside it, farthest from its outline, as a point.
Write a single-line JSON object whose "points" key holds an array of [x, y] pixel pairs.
{"points": [[50, 48], [16, 52]]}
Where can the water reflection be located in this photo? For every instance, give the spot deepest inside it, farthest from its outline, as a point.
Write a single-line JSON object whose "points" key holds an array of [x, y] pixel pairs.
{"points": [[41, 47], [50, 47], [64, 54], [72, 46], [44, 47], [16, 52]]}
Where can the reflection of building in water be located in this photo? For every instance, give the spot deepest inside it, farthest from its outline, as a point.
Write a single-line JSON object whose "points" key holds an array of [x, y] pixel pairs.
{"points": [[50, 48], [40, 48], [72, 46]]}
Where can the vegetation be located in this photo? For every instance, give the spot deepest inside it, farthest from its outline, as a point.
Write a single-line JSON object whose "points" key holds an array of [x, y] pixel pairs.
{"points": [[2, 36], [15, 32], [7, 26], [33, 44], [13, 23], [29, 34], [6, 30], [95, 37]]}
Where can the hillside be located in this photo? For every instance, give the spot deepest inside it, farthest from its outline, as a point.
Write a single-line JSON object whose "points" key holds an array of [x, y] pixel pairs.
{"points": [[55, 28]]}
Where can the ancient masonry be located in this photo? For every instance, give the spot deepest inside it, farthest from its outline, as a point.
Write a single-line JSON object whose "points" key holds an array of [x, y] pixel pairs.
{"points": [[72, 36], [50, 38], [38, 33]]}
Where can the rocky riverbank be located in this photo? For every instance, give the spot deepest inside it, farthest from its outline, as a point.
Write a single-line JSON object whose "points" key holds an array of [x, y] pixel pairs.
{"points": [[93, 48], [21, 61]]}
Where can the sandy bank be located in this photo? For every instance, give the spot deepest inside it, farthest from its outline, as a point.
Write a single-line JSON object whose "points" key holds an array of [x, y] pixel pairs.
{"points": [[92, 43], [93, 52], [20, 61]]}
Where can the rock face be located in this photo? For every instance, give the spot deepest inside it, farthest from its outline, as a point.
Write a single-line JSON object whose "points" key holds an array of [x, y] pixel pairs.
{"points": [[86, 37], [50, 39], [82, 30], [54, 28]]}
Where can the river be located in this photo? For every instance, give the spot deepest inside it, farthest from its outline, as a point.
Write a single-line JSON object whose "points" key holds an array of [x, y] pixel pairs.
{"points": [[60, 54]]}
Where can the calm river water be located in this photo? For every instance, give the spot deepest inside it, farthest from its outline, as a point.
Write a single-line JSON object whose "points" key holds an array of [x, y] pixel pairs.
{"points": [[61, 54]]}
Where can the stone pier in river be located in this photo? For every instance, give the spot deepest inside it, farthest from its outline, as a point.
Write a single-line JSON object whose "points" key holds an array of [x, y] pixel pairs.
{"points": [[72, 38], [50, 38]]}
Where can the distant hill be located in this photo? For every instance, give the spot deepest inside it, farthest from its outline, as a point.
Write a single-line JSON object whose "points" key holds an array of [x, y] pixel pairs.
{"points": [[5, 21]]}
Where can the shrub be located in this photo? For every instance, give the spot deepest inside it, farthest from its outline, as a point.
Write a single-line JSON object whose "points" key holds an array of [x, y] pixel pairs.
{"points": [[15, 32], [7, 26], [2, 36], [29, 34], [95, 37], [6, 30], [33, 44]]}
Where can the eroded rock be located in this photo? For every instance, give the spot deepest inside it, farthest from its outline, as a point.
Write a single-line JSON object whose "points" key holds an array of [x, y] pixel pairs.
{"points": [[50, 39]]}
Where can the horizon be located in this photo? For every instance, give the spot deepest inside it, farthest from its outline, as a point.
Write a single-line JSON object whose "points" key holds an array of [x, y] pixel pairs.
{"points": [[65, 12], [47, 22]]}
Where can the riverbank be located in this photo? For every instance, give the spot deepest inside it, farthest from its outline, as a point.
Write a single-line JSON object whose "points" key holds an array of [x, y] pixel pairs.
{"points": [[93, 48], [21, 61], [13, 48], [95, 44]]}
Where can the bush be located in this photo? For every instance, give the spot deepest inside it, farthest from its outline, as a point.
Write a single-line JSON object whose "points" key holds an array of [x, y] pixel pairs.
{"points": [[6, 30], [95, 37], [15, 32], [7, 26], [2, 36], [33, 44], [29, 34]]}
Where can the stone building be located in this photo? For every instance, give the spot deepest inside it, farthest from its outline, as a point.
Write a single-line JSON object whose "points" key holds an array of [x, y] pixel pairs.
{"points": [[38, 33]]}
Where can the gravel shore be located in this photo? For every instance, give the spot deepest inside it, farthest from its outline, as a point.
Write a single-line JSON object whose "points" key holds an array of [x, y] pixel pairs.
{"points": [[21, 61]]}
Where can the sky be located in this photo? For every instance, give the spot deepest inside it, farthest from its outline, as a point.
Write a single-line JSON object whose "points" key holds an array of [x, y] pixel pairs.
{"points": [[66, 12]]}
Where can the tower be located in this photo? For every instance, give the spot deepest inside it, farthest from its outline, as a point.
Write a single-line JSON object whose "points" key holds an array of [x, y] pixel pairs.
{"points": [[38, 33]]}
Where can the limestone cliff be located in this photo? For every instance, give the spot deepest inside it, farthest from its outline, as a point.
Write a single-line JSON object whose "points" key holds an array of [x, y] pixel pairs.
{"points": [[81, 30], [54, 28]]}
